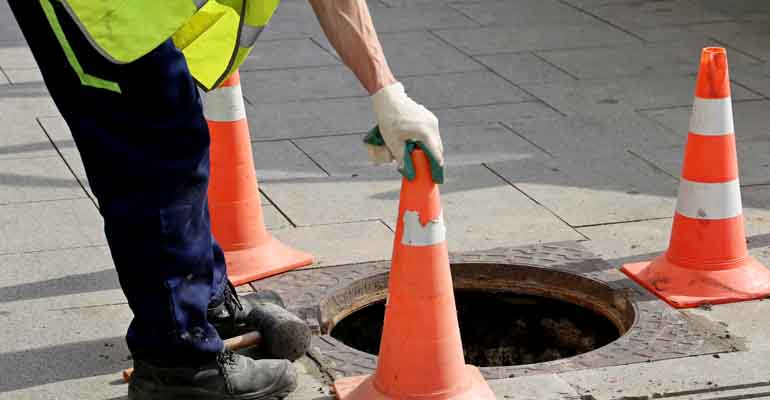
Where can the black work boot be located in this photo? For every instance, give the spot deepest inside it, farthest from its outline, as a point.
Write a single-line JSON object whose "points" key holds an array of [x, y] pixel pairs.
{"points": [[230, 315], [229, 377]]}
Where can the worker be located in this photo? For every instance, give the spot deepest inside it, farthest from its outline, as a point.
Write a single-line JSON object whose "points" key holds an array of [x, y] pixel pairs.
{"points": [[125, 76]]}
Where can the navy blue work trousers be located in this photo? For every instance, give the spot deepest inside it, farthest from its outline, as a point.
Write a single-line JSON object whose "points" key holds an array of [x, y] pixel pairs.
{"points": [[146, 154]]}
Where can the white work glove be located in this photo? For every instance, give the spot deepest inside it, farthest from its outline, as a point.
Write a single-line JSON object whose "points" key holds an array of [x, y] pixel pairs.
{"points": [[400, 119]]}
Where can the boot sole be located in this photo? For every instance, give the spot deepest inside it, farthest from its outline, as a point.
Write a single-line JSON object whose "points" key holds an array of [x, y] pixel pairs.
{"points": [[136, 392]]}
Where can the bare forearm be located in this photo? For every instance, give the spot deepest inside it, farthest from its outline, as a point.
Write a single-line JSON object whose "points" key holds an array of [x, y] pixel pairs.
{"points": [[349, 28]]}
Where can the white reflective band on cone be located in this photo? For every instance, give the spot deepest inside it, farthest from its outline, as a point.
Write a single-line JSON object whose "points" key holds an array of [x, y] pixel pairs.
{"points": [[712, 117], [415, 234], [224, 104], [709, 200]]}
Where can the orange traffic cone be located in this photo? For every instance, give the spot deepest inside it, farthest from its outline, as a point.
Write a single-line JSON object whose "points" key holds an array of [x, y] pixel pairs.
{"points": [[421, 355], [251, 252], [707, 260]]}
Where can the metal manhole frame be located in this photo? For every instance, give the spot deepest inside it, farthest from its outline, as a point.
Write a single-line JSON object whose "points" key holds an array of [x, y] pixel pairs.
{"points": [[658, 331]]}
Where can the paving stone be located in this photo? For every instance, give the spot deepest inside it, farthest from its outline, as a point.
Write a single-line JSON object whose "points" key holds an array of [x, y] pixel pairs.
{"points": [[474, 115], [282, 160], [61, 344], [49, 225], [754, 44], [523, 13], [26, 101], [590, 136], [588, 191], [276, 54], [602, 97], [753, 161], [514, 38], [28, 75], [537, 387], [738, 8], [672, 378], [524, 68], [281, 86], [79, 277], [3, 80], [750, 327], [366, 198], [74, 162], [16, 56], [463, 89], [663, 59], [274, 220], [90, 388], [418, 19], [419, 53], [36, 179], [23, 138], [463, 145], [310, 118], [342, 243], [642, 14], [752, 122], [9, 30], [756, 77], [292, 20], [310, 385]]}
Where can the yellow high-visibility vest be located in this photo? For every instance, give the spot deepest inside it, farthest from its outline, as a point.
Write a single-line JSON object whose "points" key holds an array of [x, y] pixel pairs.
{"points": [[215, 36]]}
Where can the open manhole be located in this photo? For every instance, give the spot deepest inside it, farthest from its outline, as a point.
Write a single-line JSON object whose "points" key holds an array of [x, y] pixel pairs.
{"points": [[500, 328], [529, 310]]}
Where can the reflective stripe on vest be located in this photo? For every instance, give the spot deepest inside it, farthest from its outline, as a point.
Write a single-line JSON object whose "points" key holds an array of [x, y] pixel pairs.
{"points": [[215, 36]]}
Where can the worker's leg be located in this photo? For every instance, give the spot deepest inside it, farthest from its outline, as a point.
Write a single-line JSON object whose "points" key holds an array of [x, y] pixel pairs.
{"points": [[145, 151]]}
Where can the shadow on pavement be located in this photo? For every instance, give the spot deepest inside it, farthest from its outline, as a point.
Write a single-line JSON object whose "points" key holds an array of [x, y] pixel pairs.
{"points": [[72, 284]]}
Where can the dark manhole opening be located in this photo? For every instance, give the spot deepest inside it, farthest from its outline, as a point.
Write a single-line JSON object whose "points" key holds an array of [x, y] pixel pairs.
{"points": [[500, 328]]}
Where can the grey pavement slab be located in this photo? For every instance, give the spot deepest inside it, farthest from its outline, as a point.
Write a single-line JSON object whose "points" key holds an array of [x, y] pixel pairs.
{"points": [[643, 14], [49, 225], [75, 163], [752, 120], [310, 383], [523, 13], [23, 138], [663, 59], [462, 89], [281, 86], [508, 39], [606, 96], [463, 145], [99, 387], [16, 56], [471, 227], [77, 277], [36, 179], [419, 53], [273, 218], [591, 136], [755, 77], [310, 118], [9, 30], [754, 44], [524, 68], [753, 161], [3, 79], [62, 344], [282, 160], [27, 75], [692, 378], [418, 19], [537, 387], [292, 53], [474, 115], [613, 188], [751, 327], [341, 243], [26, 101]]}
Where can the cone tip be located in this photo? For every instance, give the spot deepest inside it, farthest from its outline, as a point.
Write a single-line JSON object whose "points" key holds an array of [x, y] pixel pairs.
{"points": [[713, 76]]}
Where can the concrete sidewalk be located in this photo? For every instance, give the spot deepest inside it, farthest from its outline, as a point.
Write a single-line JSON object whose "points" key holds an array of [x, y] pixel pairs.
{"points": [[563, 120]]}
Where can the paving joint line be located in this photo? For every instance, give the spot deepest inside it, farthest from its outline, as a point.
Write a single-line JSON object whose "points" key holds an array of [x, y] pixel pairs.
{"points": [[66, 163], [317, 164], [584, 11], [543, 59], [91, 246], [510, 128], [737, 50], [485, 165], [464, 14], [496, 74], [358, 221], [386, 225], [16, 203], [89, 307], [330, 52], [630, 221], [650, 163], [275, 205], [290, 68]]}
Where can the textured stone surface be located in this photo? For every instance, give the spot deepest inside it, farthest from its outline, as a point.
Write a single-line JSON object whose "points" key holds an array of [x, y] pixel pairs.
{"points": [[635, 15], [283, 160], [418, 53], [514, 38], [27, 75], [538, 387], [277, 54], [473, 115], [594, 191], [281, 86], [601, 97], [49, 225], [463, 89], [523, 13], [524, 68], [36, 179]]}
